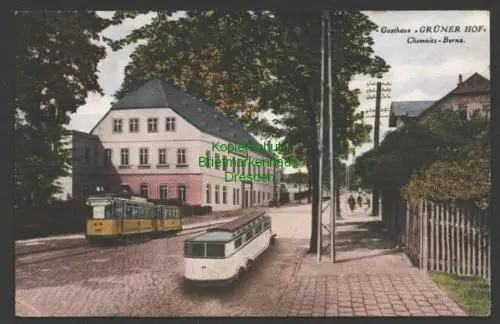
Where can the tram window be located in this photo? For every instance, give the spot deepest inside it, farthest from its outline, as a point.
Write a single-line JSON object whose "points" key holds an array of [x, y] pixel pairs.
{"points": [[135, 213], [128, 211], [141, 212], [258, 228], [194, 249], [238, 242], [215, 250], [249, 234], [118, 207]]}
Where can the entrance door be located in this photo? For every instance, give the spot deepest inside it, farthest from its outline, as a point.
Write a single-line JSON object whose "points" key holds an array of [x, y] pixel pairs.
{"points": [[245, 200]]}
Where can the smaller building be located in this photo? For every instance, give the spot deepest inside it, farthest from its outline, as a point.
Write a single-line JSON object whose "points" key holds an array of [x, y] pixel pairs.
{"points": [[84, 164], [405, 112], [468, 97]]}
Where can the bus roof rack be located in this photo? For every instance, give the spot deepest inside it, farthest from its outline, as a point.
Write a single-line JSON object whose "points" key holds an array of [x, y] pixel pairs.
{"points": [[236, 224]]}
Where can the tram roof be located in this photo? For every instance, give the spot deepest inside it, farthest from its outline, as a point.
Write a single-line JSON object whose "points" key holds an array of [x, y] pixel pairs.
{"points": [[236, 224]]}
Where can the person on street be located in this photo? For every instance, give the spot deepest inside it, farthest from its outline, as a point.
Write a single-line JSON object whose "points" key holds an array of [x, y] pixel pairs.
{"points": [[352, 203], [360, 201], [367, 203]]}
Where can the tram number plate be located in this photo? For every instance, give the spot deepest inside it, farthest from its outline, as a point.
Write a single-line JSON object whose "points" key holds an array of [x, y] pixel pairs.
{"points": [[98, 230]]}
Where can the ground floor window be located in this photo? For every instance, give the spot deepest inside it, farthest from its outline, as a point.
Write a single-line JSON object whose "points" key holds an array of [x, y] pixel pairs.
{"points": [[182, 192], [163, 191], [144, 190]]}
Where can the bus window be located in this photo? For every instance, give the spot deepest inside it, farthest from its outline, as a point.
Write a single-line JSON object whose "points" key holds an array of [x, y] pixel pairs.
{"points": [[238, 242], [215, 250], [194, 249], [128, 211]]}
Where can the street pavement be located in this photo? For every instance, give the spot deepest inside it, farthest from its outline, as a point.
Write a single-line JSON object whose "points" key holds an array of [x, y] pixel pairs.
{"points": [[371, 277]]}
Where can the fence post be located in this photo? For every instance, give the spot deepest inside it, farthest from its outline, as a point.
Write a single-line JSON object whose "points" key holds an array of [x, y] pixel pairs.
{"points": [[425, 252], [407, 225]]}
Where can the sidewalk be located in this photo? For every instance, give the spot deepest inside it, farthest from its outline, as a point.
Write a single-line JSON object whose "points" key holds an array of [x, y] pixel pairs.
{"points": [[371, 277]]}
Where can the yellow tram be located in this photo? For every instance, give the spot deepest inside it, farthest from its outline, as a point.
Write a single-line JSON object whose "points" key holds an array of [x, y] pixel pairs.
{"points": [[118, 217]]}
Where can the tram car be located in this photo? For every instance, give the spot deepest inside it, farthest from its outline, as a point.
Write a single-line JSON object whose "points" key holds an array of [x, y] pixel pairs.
{"points": [[224, 253], [123, 217]]}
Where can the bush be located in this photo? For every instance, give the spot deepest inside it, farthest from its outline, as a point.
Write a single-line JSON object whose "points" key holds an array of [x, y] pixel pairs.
{"points": [[187, 210], [301, 195], [198, 210], [207, 209], [284, 199]]}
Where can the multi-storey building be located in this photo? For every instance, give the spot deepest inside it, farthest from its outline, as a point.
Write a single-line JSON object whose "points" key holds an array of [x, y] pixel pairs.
{"points": [[153, 138]]}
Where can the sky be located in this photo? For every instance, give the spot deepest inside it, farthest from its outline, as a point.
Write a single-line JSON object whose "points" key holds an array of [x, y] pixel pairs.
{"points": [[419, 71]]}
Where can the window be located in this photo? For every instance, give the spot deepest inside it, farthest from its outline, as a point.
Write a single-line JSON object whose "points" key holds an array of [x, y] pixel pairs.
{"points": [[224, 194], [170, 124], [194, 249], [268, 196], [143, 156], [249, 235], [217, 161], [258, 197], [215, 250], [117, 125], [108, 157], [462, 111], [217, 189], [254, 169], [152, 125], [133, 125], [486, 110], [207, 156], [163, 191], [124, 157], [181, 156], [224, 163], [87, 155], [182, 193], [128, 211], [238, 168], [162, 156], [234, 196], [233, 164], [237, 196], [243, 168], [258, 229], [253, 196], [209, 193], [144, 191], [238, 242]]}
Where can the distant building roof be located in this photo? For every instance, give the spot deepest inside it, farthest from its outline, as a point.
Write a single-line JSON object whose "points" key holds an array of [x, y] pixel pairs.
{"points": [[208, 119], [409, 108]]}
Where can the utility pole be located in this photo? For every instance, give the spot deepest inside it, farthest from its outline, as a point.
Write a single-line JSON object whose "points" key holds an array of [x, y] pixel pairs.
{"points": [[376, 131], [330, 152]]}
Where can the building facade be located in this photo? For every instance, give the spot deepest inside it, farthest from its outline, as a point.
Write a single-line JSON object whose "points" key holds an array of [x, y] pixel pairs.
{"points": [[156, 140], [84, 164], [468, 97]]}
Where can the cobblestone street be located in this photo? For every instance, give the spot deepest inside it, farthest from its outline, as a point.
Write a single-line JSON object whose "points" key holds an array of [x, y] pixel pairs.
{"points": [[370, 277]]}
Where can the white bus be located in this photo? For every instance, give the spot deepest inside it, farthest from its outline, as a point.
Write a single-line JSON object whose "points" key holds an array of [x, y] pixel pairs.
{"points": [[225, 252]]}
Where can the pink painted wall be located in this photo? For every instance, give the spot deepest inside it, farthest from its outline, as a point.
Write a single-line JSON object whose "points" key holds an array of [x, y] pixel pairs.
{"points": [[193, 183]]}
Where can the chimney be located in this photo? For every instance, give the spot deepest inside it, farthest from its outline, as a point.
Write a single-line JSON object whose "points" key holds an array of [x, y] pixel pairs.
{"points": [[459, 79]]}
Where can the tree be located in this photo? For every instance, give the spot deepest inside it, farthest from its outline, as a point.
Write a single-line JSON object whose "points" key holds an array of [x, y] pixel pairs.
{"points": [[431, 161], [56, 63], [247, 63]]}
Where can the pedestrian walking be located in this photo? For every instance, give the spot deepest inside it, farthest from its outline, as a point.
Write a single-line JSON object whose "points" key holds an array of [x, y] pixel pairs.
{"points": [[367, 203], [360, 201], [352, 203]]}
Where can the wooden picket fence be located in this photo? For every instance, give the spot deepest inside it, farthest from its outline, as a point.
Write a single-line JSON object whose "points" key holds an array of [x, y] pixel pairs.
{"points": [[442, 236]]}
